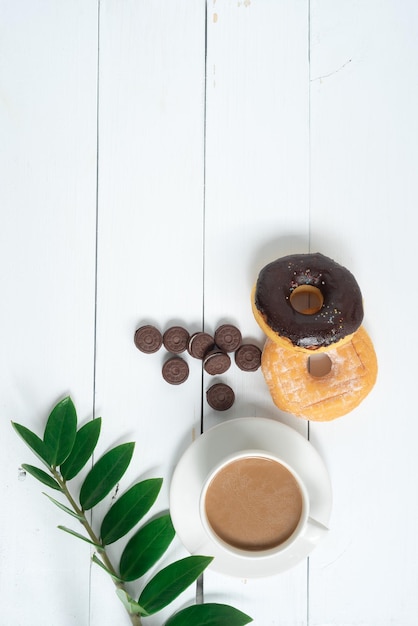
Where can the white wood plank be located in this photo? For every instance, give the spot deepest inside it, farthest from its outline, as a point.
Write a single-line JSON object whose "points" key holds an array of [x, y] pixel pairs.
{"points": [[153, 233], [364, 100], [47, 200], [256, 211], [150, 255]]}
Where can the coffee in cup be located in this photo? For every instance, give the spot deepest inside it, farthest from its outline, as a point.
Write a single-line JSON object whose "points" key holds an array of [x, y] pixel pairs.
{"points": [[254, 504]]}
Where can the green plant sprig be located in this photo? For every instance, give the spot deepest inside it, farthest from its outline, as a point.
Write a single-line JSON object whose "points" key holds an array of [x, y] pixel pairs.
{"points": [[65, 450]]}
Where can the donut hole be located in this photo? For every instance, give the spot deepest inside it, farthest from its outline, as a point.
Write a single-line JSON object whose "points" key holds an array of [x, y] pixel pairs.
{"points": [[319, 365], [306, 299]]}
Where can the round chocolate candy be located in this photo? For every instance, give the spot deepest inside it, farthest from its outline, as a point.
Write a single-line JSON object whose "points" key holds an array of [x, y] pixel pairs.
{"points": [[216, 362], [175, 339], [199, 344], [220, 397], [175, 371], [228, 337], [148, 339], [248, 357]]}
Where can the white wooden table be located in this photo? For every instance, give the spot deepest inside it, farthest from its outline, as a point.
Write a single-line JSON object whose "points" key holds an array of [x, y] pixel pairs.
{"points": [[154, 156]]}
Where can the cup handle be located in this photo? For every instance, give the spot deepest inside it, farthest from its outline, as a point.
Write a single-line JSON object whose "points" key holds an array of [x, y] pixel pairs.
{"points": [[314, 530]]}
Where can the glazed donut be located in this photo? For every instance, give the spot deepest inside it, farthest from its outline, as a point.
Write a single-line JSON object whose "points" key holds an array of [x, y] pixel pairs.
{"points": [[351, 376], [308, 302]]}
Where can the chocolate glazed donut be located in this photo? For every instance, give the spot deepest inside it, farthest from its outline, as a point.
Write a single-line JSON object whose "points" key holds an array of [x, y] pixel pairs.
{"points": [[309, 300]]}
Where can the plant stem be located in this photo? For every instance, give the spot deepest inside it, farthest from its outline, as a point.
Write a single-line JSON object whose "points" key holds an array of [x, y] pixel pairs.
{"points": [[134, 617]]}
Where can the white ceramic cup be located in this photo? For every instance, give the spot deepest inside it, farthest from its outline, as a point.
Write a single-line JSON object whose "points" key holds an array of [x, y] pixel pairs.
{"points": [[228, 478]]}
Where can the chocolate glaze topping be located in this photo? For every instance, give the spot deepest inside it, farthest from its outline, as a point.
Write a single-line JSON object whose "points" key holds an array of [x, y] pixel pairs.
{"points": [[341, 312]]}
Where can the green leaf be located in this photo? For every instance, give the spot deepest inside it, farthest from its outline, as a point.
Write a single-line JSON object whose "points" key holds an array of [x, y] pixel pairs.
{"points": [[104, 475], [34, 442], [96, 560], [129, 509], [60, 431], [210, 614], [64, 508], [42, 476], [129, 603], [145, 548], [85, 442], [168, 583], [73, 532]]}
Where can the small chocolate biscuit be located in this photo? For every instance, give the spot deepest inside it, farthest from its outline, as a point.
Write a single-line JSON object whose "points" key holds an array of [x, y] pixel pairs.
{"points": [[175, 371], [148, 339], [175, 339], [216, 362], [228, 337], [220, 397], [248, 357], [199, 344]]}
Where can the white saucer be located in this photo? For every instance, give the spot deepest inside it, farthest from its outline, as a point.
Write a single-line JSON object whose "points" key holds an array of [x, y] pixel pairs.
{"points": [[216, 444]]}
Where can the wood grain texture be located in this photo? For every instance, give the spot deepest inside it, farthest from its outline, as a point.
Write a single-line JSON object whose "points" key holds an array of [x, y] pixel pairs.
{"points": [[150, 240], [257, 209], [155, 156], [364, 99], [47, 212]]}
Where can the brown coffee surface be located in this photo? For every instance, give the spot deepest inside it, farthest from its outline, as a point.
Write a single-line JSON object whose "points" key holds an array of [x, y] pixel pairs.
{"points": [[253, 503]]}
